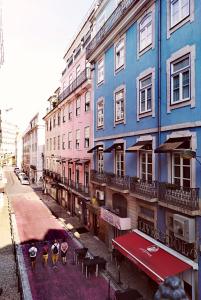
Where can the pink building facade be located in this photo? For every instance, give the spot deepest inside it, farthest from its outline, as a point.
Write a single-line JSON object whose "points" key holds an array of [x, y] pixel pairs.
{"points": [[69, 131]]}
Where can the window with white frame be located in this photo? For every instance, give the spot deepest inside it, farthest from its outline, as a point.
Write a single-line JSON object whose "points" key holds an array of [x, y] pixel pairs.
{"points": [[47, 145], [100, 113], [77, 71], [181, 171], [70, 111], [77, 112], [119, 163], [54, 142], [87, 101], [100, 74], [145, 32], [145, 97], [146, 165], [58, 141], [180, 9], [70, 79], [58, 118], [77, 139], [180, 80], [100, 162], [63, 141], [119, 54], [119, 106], [86, 136], [63, 115], [70, 140]]}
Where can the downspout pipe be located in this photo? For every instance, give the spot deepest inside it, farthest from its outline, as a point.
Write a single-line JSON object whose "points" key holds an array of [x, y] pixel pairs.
{"points": [[159, 89]]}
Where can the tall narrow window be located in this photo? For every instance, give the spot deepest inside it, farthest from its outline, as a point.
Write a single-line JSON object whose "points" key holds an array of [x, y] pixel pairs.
{"points": [[64, 116], [63, 141], [119, 54], [119, 163], [77, 71], [87, 101], [86, 136], [145, 33], [100, 75], [58, 118], [77, 141], [180, 9], [100, 163], [145, 94], [100, 113], [54, 141], [146, 165], [119, 106], [78, 106], [70, 140], [180, 80], [70, 111], [181, 171], [54, 121], [70, 79], [58, 142]]}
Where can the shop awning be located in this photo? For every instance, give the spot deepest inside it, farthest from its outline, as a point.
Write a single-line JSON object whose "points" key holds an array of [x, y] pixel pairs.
{"points": [[83, 161], [138, 146], [97, 147], [172, 145], [114, 146], [153, 260]]}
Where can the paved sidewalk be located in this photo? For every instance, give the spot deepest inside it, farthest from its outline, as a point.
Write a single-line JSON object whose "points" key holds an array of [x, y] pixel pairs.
{"points": [[130, 276], [8, 279]]}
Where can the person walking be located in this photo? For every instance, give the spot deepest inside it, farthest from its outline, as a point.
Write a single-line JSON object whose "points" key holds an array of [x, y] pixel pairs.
{"points": [[55, 252], [64, 248], [45, 254], [32, 254]]}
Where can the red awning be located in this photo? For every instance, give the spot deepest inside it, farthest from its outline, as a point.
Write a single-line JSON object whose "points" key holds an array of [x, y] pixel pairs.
{"points": [[153, 260]]}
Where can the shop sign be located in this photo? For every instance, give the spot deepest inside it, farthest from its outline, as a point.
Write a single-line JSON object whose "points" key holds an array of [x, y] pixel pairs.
{"points": [[114, 220]]}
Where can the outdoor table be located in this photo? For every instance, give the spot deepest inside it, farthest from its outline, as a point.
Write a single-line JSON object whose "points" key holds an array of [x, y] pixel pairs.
{"points": [[129, 294], [94, 262], [79, 252]]}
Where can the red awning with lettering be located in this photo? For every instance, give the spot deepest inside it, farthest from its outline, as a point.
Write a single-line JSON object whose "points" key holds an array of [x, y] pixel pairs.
{"points": [[153, 260]]}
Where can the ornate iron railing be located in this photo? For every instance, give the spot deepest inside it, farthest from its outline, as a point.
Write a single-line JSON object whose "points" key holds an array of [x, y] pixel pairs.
{"points": [[84, 75], [186, 198], [121, 10], [120, 182], [79, 187], [144, 188], [99, 177]]}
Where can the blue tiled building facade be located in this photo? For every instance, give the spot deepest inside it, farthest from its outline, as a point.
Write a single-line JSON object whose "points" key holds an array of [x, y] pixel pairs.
{"points": [[147, 125]]}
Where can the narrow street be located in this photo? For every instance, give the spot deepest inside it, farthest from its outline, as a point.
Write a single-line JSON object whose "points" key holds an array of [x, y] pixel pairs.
{"points": [[35, 222]]}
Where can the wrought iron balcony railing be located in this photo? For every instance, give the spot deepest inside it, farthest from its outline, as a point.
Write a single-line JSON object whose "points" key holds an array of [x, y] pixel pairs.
{"points": [[121, 183], [186, 198], [79, 187], [121, 10], [84, 75], [99, 177], [144, 188]]}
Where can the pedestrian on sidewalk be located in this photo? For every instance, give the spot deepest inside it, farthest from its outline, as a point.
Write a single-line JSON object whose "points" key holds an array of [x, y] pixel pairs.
{"points": [[32, 254], [64, 248], [55, 252], [45, 253]]}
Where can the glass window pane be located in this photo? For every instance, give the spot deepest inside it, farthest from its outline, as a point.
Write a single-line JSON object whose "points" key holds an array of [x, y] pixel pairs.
{"points": [[186, 172], [174, 12], [186, 183], [177, 159], [177, 171], [181, 64], [186, 85], [149, 168], [184, 8], [177, 181], [186, 162], [145, 82]]}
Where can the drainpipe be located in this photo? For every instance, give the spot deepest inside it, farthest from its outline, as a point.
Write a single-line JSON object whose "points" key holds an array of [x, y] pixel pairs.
{"points": [[159, 88]]}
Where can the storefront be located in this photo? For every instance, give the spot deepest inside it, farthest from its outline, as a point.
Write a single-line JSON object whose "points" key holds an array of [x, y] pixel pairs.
{"points": [[149, 256]]}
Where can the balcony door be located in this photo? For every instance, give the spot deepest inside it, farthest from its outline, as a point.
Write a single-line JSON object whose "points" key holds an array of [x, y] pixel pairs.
{"points": [[181, 171], [119, 163], [146, 165]]}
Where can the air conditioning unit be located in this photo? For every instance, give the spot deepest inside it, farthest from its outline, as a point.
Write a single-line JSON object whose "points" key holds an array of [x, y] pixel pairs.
{"points": [[184, 228], [100, 195]]}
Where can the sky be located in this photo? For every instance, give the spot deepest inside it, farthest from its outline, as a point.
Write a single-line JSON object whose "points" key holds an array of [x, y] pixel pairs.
{"points": [[36, 36]]}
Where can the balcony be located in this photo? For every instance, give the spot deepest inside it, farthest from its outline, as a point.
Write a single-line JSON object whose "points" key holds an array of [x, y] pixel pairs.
{"points": [[121, 10], [75, 84], [79, 187], [186, 199], [144, 189], [115, 220], [120, 183], [100, 178]]}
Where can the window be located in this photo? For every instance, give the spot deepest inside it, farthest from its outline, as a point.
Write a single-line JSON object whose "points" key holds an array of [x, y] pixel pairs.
{"points": [[70, 111], [70, 140], [87, 101], [119, 54], [63, 141], [54, 121], [180, 80], [145, 97], [181, 171], [100, 113], [54, 142], [180, 9], [100, 75], [64, 117], [119, 163], [119, 106], [47, 145], [47, 125], [50, 144], [145, 32], [100, 162], [70, 79], [86, 136], [78, 107], [77, 71], [77, 141], [50, 124], [146, 166], [58, 140], [58, 118]]}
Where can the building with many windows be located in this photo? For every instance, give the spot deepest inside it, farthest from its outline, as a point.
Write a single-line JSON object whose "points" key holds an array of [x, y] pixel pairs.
{"points": [[33, 141], [147, 139]]}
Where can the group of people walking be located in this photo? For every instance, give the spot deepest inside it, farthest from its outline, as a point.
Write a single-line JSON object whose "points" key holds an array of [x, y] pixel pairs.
{"points": [[56, 250]]}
